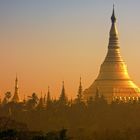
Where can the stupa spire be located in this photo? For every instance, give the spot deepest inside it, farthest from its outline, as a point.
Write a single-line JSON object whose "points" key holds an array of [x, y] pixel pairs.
{"points": [[79, 95], [63, 97], [49, 100], [48, 95], [63, 89], [113, 39], [80, 92], [16, 96], [113, 17]]}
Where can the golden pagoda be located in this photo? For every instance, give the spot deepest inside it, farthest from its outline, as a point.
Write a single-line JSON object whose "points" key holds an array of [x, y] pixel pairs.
{"points": [[113, 80]]}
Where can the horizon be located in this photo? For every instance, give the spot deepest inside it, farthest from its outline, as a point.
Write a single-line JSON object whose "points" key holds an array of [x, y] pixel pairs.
{"points": [[48, 42]]}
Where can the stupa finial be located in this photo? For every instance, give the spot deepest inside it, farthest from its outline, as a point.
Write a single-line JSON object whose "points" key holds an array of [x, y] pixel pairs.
{"points": [[113, 18]]}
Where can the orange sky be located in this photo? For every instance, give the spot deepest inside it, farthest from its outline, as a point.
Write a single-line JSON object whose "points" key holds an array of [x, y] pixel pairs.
{"points": [[47, 43]]}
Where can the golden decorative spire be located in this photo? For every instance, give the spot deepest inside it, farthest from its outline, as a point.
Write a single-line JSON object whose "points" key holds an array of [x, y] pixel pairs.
{"points": [[113, 18], [113, 40]]}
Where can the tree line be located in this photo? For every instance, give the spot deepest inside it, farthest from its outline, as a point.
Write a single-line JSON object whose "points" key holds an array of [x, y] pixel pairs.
{"points": [[84, 120]]}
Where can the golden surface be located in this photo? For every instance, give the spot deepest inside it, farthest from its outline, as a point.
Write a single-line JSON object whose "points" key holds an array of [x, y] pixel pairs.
{"points": [[113, 79]]}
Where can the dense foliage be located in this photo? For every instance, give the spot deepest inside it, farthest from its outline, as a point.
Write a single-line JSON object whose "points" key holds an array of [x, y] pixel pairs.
{"points": [[94, 119]]}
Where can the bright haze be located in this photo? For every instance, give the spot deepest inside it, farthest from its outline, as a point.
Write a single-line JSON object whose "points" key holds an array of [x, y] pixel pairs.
{"points": [[48, 41]]}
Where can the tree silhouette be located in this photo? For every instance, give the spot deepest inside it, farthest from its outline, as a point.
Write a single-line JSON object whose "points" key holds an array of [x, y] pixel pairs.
{"points": [[7, 97], [32, 101]]}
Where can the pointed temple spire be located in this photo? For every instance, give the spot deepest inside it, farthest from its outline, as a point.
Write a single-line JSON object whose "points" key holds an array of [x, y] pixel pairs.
{"points": [[48, 94], [63, 98], [80, 90], [113, 40], [80, 85], [63, 89], [63, 85], [16, 93], [48, 97], [80, 82]]}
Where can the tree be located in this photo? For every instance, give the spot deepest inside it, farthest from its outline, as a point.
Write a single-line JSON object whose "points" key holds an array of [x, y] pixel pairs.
{"points": [[7, 97], [40, 105], [62, 135], [33, 101]]}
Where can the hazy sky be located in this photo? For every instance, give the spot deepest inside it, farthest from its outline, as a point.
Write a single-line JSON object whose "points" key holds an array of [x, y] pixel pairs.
{"points": [[48, 41]]}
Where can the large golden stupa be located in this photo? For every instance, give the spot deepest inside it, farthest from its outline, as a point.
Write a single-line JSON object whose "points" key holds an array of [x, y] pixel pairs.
{"points": [[113, 80]]}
